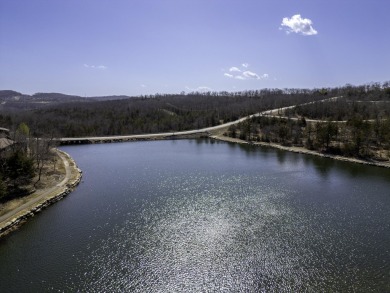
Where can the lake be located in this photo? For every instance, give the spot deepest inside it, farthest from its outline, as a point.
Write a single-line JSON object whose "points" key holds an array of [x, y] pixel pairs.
{"points": [[205, 216]]}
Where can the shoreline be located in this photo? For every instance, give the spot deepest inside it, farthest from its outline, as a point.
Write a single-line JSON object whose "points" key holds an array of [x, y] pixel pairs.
{"points": [[74, 175], [301, 150], [46, 197]]}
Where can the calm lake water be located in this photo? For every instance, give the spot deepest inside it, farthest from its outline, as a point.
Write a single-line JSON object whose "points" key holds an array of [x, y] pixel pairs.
{"points": [[197, 216]]}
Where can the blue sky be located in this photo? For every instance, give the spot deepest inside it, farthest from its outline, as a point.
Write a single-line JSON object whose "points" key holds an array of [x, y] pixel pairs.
{"points": [[133, 47]]}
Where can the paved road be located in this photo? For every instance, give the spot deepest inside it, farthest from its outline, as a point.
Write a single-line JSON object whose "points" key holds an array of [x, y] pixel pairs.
{"points": [[188, 132], [44, 193]]}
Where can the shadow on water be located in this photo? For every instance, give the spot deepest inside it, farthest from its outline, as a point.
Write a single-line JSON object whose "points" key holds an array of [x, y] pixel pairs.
{"points": [[281, 156], [354, 170], [323, 166]]}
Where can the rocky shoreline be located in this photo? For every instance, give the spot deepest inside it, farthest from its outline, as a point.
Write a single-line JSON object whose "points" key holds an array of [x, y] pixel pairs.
{"points": [[57, 195], [302, 150]]}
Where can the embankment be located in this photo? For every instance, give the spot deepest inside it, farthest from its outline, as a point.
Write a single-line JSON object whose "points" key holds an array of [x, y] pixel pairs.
{"points": [[43, 198]]}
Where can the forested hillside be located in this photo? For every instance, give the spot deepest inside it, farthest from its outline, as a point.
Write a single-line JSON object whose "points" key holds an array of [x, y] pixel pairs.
{"points": [[157, 113], [356, 124], [160, 113]]}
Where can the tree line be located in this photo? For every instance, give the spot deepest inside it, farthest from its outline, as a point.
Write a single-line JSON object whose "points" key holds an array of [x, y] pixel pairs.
{"points": [[354, 138], [171, 112], [22, 163]]}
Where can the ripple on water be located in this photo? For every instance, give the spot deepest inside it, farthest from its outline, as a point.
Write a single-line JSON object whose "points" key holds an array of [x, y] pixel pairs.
{"points": [[223, 233]]}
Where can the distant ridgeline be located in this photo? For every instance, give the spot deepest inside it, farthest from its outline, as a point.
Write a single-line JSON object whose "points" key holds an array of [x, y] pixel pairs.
{"points": [[13, 101]]}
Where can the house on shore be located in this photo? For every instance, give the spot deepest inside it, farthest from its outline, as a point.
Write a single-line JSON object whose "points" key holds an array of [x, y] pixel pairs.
{"points": [[5, 141]]}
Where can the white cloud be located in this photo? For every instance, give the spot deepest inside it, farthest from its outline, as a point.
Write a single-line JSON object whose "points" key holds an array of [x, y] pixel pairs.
{"points": [[199, 89], [250, 74], [299, 25], [245, 74], [203, 88], [102, 67], [234, 69], [142, 85]]}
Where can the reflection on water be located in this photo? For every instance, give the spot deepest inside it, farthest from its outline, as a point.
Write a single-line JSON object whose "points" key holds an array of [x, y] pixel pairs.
{"points": [[281, 155], [208, 229], [191, 216]]}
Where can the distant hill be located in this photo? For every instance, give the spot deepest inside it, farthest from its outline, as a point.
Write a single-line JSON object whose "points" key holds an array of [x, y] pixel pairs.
{"points": [[56, 97], [12, 100], [110, 98], [9, 93]]}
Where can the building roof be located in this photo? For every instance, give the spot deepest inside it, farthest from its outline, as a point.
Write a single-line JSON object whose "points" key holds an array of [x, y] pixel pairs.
{"points": [[5, 142]]}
